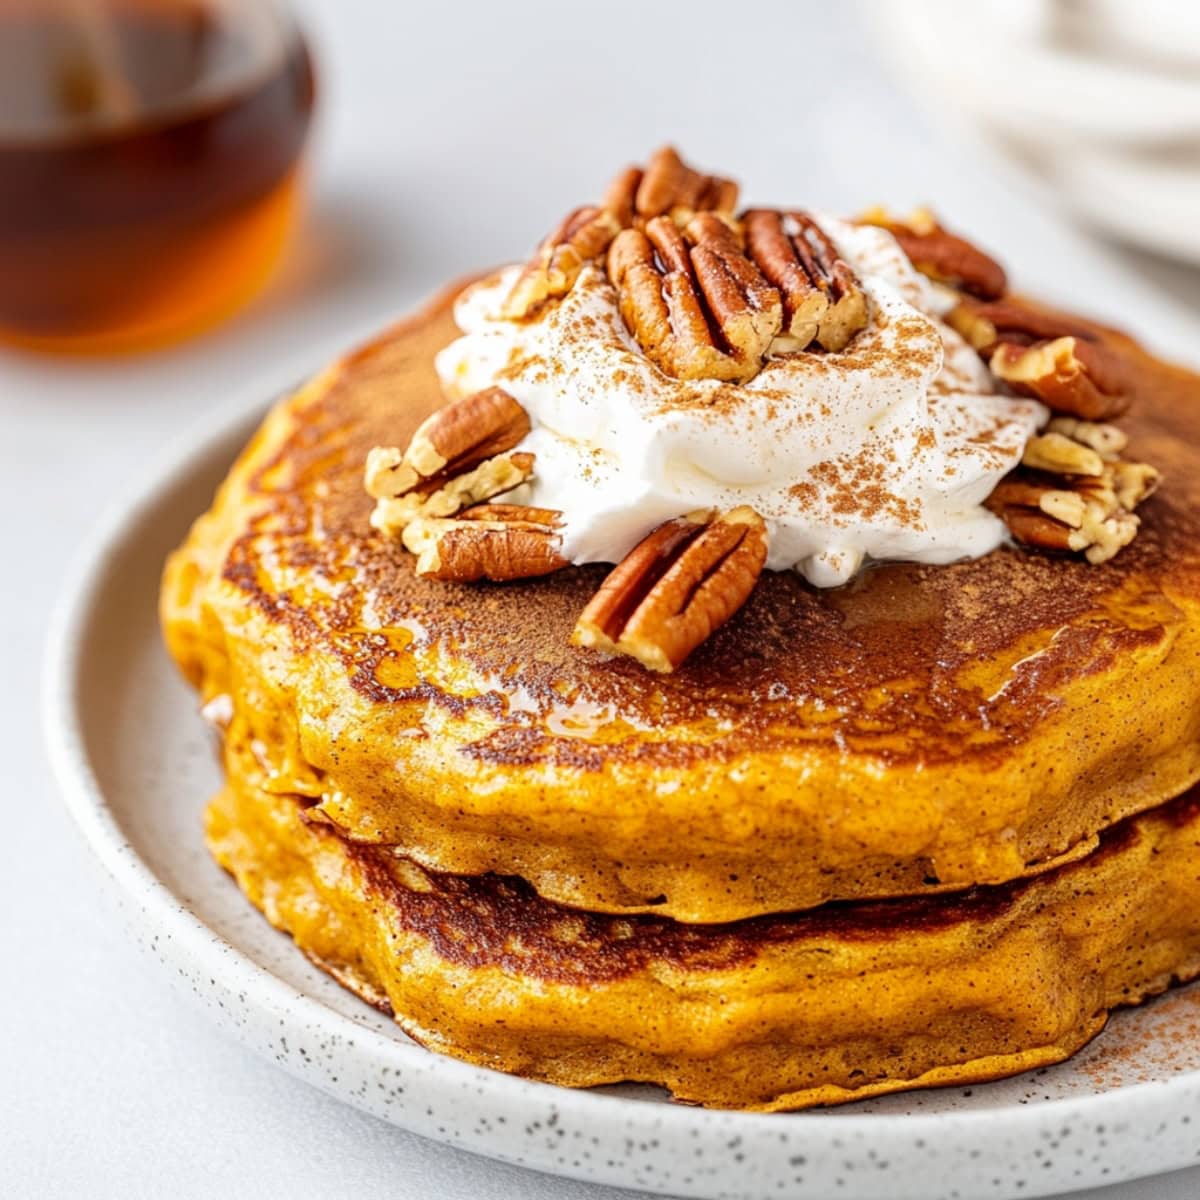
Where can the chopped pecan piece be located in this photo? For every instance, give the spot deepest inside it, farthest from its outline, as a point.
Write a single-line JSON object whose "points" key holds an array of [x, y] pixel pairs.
{"points": [[583, 237], [698, 307], [458, 457], [1056, 451], [431, 500], [822, 297], [1079, 499], [1054, 518], [1069, 375], [676, 587], [1106, 440], [512, 512], [1133, 482], [1048, 355], [985, 324], [452, 440], [942, 256], [500, 542]]}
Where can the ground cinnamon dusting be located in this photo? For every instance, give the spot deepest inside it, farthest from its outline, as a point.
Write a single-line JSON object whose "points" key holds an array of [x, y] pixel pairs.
{"points": [[854, 486]]}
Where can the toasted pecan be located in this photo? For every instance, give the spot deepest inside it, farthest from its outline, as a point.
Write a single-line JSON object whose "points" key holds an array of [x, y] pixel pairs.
{"points": [[698, 307], [460, 456], [499, 542], [1069, 375], [942, 255], [582, 237], [666, 187], [823, 299], [986, 324], [1073, 492], [669, 187], [676, 587]]}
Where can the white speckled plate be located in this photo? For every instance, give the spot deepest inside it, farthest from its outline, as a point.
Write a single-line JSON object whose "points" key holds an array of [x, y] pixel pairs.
{"points": [[137, 765]]}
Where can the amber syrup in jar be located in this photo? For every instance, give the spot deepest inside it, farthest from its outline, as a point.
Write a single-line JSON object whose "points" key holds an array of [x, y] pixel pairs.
{"points": [[149, 165]]}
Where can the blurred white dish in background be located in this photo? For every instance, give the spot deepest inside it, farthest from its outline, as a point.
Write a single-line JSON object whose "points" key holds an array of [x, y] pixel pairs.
{"points": [[1099, 100]]}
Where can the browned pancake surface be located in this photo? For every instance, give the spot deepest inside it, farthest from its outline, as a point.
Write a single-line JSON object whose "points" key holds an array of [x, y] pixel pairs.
{"points": [[882, 657], [925, 726]]}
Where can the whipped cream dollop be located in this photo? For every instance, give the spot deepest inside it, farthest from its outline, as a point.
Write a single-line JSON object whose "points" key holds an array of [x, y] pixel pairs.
{"points": [[883, 451]]}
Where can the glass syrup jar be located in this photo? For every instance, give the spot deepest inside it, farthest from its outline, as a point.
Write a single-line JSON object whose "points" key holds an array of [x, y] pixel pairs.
{"points": [[149, 165]]}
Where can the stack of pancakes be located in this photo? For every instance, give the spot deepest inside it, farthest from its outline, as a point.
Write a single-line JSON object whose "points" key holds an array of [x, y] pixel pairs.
{"points": [[927, 828]]}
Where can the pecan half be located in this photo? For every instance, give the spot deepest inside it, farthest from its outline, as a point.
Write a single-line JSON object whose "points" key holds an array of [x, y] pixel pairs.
{"points": [[941, 255], [582, 237], [1073, 492], [823, 300], [1069, 375], [620, 198], [458, 457], [676, 587], [500, 542], [668, 186], [698, 307]]}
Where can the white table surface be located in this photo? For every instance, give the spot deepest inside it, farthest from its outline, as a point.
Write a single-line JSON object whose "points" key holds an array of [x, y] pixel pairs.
{"points": [[451, 136]]}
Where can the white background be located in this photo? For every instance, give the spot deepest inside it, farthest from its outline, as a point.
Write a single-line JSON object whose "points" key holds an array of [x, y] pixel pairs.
{"points": [[451, 136]]}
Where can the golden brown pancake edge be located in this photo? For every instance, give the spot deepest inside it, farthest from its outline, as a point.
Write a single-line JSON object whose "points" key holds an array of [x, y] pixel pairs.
{"points": [[818, 1008]]}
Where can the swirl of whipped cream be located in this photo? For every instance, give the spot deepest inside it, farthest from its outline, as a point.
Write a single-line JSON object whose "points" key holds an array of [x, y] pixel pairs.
{"points": [[884, 451]]}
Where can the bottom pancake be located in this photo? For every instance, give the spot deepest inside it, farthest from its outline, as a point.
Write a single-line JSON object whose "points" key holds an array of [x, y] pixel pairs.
{"points": [[819, 1008]]}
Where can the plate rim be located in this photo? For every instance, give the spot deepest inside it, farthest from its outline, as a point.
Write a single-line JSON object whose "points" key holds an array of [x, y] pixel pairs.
{"points": [[63, 723]]}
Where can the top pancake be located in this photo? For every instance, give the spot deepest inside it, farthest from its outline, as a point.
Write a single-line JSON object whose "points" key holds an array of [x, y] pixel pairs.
{"points": [[923, 728]]}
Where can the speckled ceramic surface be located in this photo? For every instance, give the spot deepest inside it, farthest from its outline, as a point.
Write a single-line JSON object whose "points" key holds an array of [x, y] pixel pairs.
{"points": [[136, 766]]}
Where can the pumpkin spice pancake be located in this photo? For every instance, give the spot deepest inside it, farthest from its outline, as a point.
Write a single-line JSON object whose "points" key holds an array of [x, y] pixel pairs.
{"points": [[780, 1012], [884, 620]]}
